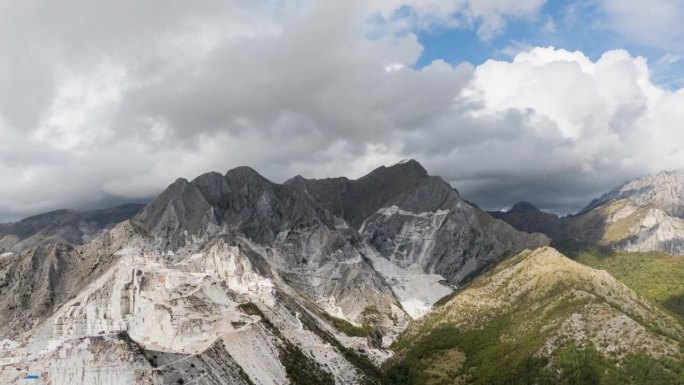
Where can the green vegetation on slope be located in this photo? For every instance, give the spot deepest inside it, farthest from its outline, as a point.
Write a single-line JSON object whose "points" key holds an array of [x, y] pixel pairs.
{"points": [[657, 276], [503, 347], [372, 375], [540, 318], [370, 317], [493, 364], [490, 358], [302, 370], [348, 328]]}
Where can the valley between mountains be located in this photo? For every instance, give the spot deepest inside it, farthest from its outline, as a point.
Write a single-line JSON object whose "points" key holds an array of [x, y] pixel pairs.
{"points": [[392, 278]]}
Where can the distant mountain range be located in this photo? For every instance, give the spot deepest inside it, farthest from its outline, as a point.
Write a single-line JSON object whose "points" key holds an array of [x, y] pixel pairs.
{"points": [[69, 226], [642, 215], [392, 278]]}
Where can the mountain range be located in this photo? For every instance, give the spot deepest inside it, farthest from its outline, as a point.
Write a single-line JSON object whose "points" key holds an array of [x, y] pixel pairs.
{"points": [[391, 278], [645, 214], [62, 226]]}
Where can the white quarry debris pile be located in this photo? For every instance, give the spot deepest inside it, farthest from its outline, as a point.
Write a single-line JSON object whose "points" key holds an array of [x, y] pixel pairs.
{"points": [[417, 291], [404, 269]]}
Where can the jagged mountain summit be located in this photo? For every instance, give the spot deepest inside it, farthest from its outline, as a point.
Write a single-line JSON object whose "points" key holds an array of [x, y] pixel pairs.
{"points": [[419, 221], [524, 216], [646, 214], [62, 226], [356, 200], [233, 279], [664, 191], [286, 231]]}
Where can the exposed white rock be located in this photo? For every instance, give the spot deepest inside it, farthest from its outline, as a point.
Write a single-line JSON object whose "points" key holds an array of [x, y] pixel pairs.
{"points": [[655, 230], [181, 308], [232, 272], [415, 240], [417, 291], [664, 190], [254, 349]]}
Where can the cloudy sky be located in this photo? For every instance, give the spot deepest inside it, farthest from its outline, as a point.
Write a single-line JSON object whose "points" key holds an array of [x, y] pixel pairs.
{"points": [[551, 101]]}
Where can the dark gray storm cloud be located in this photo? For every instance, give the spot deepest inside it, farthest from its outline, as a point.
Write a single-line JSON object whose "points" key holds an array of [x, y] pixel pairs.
{"points": [[111, 101]]}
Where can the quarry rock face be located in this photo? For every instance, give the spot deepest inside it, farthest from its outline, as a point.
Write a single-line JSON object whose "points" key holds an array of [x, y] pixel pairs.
{"points": [[233, 279], [279, 226], [419, 222]]}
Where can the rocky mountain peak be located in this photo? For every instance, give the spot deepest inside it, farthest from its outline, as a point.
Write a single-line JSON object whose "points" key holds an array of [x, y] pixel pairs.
{"points": [[241, 200], [295, 180], [244, 174], [526, 217], [523, 206], [645, 214], [68, 226], [406, 169], [664, 191], [355, 200], [231, 278]]}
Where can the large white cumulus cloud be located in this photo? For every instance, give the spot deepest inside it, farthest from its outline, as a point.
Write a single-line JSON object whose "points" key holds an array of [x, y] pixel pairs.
{"points": [[111, 101], [102, 99], [567, 125]]}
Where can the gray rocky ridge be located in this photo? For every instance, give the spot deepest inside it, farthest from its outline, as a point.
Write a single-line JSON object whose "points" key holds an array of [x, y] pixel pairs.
{"points": [[233, 279], [646, 214], [417, 220], [664, 191], [62, 226]]}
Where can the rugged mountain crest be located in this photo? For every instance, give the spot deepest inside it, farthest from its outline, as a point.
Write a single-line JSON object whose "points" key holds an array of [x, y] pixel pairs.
{"points": [[419, 221], [664, 191], [523, 206], [241, 201], [280, 223], [524, 216], [641, 215], [356, 200], [257, 282], [75, 227]]}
